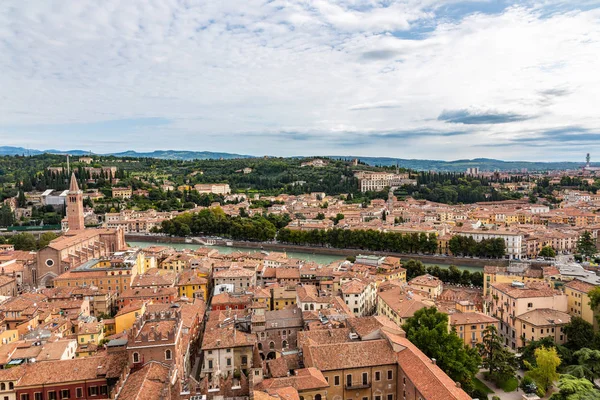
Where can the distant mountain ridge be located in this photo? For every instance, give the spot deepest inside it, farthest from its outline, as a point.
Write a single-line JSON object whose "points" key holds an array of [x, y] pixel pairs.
{"points": [[161, 154], [484, 164]]}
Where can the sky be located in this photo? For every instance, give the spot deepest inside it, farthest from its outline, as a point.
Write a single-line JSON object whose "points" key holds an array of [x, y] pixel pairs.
{"points": [[408, 79]]}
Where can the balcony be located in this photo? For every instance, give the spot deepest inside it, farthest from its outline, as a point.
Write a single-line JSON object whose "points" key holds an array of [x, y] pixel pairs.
{"points": [[357, 385]]}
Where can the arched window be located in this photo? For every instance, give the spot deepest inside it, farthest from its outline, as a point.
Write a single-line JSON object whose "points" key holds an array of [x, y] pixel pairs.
{"points": [[305, 309], [167, 354], [260, 346], [312, 306], [136, 357], [2, 386], [317, 397], [271, 345], [11, 385], [284, 344]]}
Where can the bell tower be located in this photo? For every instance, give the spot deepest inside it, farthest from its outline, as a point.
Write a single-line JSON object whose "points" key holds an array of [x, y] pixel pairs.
{"points": [[75, 206]]}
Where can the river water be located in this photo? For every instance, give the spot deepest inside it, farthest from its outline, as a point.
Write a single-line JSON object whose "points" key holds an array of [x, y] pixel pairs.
{"points": [[322, 259]]}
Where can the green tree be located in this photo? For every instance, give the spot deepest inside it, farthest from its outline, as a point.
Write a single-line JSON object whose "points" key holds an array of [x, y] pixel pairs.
{"points": [[544, 372], [594, 296], [586, 244], [548, 252], [573, 388], [7, 218], [46, 238], [588, 364], [428, 330], [24, 241], [500, 362], [21, 200], [580, 333]]}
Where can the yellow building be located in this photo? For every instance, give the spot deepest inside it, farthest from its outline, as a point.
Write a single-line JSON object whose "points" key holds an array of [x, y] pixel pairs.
{"points": [[127, 316], [121, 192], [114, 274], [428, 284], [283, 297], [8, 336], [469, 326], [191, 285], [176, 262], [579, 301], [89, 336]]}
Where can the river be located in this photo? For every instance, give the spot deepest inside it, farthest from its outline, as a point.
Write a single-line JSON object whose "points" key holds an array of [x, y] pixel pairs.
{"points": [[322, 259]]}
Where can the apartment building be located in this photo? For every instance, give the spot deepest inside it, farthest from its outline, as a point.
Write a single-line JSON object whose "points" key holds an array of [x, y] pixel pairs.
{"points": [[539, 323], [512, 240], [428, 284], [469, 326], [579, 301], [509, 301]]}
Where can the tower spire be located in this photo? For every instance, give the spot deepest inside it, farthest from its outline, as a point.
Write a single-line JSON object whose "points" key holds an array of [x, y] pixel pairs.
{"points": [[73, 186]]}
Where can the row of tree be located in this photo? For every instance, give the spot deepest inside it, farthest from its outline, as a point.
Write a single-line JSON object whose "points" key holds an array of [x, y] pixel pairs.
{"points": [[27, 241], [214, 221], [467, 246], [362, 239], [451, 275]]}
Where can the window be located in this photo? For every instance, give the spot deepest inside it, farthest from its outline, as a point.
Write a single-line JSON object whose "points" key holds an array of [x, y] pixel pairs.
{"points": [[210, 364], [244, 360], [79, 392], [377, 375], [390, 374], [104, 389], [529, 305], [167, 354], [390, 397], [25, 396], [377, 397], [136, 357], [348, 380], [229, 362], [365, 378], [336, 380], [51, 395], [93, 391], [65, 394], [38, 396]]}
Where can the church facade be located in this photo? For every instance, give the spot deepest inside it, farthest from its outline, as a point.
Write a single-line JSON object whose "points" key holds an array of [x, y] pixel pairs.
{"points": [[76, 246]]}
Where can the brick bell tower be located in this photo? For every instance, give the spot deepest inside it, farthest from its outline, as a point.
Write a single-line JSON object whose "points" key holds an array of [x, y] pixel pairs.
{"points": [[75, 207]]}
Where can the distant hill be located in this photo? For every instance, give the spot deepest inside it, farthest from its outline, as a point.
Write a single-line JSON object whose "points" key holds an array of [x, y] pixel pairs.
{"points": [[162, 154], [484, 164]]}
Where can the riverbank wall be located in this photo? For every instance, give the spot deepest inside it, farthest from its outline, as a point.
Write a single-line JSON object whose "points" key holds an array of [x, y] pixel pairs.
{"points": [[343, 253]]}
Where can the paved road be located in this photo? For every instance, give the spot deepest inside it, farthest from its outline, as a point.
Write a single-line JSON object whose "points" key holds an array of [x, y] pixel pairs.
{"points": [[516, 395]]}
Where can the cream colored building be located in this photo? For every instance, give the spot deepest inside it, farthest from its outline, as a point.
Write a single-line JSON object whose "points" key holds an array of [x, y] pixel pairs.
{"points": [[428, 284], [539, 323], [508, 301]]}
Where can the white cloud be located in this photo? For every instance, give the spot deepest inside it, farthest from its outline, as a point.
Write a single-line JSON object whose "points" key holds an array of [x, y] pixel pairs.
{"points": [[232, 75]]}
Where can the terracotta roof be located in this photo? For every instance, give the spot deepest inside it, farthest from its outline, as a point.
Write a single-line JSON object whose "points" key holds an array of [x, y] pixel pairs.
{"points": [[349, 355], [471, 318], [146, 383], [305, 379], [431, 382], [580, 286], [426, 280], [323, 336], [88, 368], [545, 317], [354, 286], [532, 289]]}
